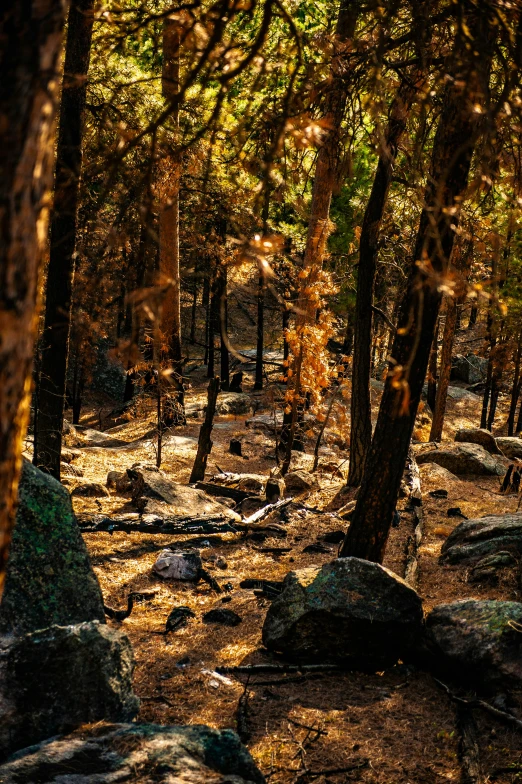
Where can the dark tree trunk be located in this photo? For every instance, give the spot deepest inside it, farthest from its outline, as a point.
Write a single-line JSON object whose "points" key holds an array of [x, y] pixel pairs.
{"points": [[60, 274], [473, 316], [515, 389], [213, 322], [223, 327], [348, 336], [439, 408], [31, 35], [205, 301], [204, 441], [260, 331], [432, 369], [457, 132], [361, 422]]}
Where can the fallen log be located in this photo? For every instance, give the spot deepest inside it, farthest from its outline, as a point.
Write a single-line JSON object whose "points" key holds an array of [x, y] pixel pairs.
{"points": [[468, 750], [266, 511], [224, 491], [200, 524], [277, 669]]}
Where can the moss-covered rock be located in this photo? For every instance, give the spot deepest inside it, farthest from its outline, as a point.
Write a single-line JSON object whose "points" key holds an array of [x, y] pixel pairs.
{"points": [[54, 680], [49, 576], [137, 753], [477, 641], [348, 611]]}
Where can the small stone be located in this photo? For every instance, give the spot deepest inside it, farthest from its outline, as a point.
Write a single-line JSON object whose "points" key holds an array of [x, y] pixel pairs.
{"points": [[275, 489], [223, 616], [90, 490], [299, 482]]}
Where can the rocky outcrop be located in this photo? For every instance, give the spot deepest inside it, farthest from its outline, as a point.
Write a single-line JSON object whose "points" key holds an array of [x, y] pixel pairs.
{"points": [[478, 642], [299, 482], [349, 611], [53, 680], [470, 368], [154, 493], [511, 447], [49, 577], [233, 403], [479, 436], [136, 753], [463, 459], [474, 539]]}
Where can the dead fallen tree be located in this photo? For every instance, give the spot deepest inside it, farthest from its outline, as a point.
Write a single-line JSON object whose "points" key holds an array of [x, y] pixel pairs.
{"points": [[176, 524]]}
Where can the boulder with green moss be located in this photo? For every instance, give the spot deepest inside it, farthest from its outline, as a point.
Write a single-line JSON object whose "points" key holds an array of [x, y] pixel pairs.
{"points": [[136, 753], [479, 642], [49, 577]]}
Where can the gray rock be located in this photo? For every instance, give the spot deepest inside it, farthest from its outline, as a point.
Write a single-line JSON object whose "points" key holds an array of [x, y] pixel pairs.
{"points": [[154, 493], [90, 490], [350, 611], [267, 422], [479, 436], [275, 489], [53, 680], [457, 393], [68, 455], [49, 577], [477, 641], [464, 459], [233, 403], [66, 469], [486, 569], [474, 539], [470, 368], [299, 481], [511, 447], [136, 753]]}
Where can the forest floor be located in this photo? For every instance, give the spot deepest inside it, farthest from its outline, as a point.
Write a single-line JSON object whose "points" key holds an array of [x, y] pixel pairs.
{"points": [[384, 728]]}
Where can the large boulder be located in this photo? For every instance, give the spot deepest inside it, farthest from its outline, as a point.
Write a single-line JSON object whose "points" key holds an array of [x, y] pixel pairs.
{"points": [[464, 459], [49, 577], [470, 368], [154, 493], [477, 641], [474, 539], [233, 403], [478, 435], [136, 753], [349, 611], [53, 680], [299, 482], [511, 447]]}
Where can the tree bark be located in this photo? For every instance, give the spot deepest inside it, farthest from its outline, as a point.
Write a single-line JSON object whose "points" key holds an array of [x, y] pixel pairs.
{"points": [[258, 384], [456, 134], [204, 441], [515, 389], [445, 370], [169, 215], [432, 369], [31, 35], [325, 180], [60, 272]]}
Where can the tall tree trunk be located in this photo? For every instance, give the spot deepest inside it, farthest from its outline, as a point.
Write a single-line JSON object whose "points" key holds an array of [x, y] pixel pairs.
{"points": [[60, 273], [445, 370], [261, 285], [432, 369], [515, 389], [169, 214], [31, 35], [223, 327], [325, 180], [360, 406], [456, 134]]}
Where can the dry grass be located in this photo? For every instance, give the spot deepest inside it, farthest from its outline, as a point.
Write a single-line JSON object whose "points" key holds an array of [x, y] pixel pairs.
{"points": [[397, 723]]}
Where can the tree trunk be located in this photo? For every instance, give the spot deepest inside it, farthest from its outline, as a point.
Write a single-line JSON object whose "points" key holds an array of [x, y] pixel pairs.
{"points": [[515, 390], [169, 215], [432, 368], [457, 132], [31, 35], [60, 272], [361, 422], [445, 370], [223, 327], [325, 180], [260, 331], [204, 441]]}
